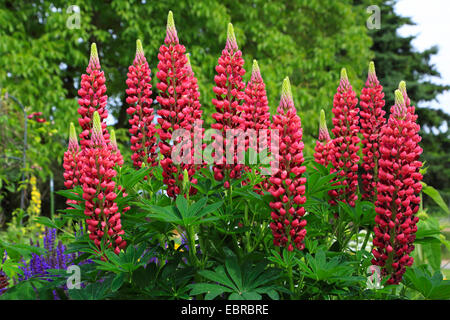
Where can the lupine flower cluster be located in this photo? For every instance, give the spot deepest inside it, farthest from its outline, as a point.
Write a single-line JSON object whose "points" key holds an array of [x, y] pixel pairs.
{"points": [[343, 152], [372, 120], [288, 184], [230, 95], [115, 152], [143, 138], [398, 190], [255, 109], [70, 165], [175, 97], [99, 191], [92, 98], [323, 142], [255, 115]]}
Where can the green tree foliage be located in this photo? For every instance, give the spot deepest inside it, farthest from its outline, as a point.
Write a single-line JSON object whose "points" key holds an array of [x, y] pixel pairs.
{"points": [[396, 59], [305, 40]]}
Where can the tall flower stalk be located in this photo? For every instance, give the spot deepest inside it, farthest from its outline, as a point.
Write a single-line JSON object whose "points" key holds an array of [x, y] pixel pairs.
{"points": [[288, 183], [99, 191], [229, 91], [344, 147], [142, 131], [92, 98], [372, 119], [175, 97], [398, 187]]}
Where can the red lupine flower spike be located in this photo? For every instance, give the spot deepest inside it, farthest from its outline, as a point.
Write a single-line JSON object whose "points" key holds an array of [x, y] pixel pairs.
{"points": [[372, 119], [100, 191], [118, 159], [288, 184], [398, 196], [323, 142], [178, 98], [343, 153], [255, 115], [230, 95], [92, 98], [71, 163], [142, 131]]}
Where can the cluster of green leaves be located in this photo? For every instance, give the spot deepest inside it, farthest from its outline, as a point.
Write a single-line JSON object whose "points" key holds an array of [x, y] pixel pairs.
{"points": [[217, 244]]}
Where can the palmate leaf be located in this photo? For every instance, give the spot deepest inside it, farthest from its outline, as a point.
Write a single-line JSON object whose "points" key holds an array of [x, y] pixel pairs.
{"points": [[182, 213], [241, 282], [430, 286]]}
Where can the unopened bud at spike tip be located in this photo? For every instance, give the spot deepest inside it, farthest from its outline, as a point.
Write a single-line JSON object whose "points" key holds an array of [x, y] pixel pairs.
{"points": [[170, 22], [399, 100], [286, 100], [399, 109], [112, 138], [344, 84], [97, 131], [96, 123], [72, 132], [323, 121], [402, 88], [344, 74], [371, 68], [256, 73], [286, 89], [188, 56], [323, 129], [372, 76], [73, 141], [94, 62], [171, 34], [231, 39], [139, 49]]}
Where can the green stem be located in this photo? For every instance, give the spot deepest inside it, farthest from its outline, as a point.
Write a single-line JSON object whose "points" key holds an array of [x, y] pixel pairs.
{"points": [[192, 250], [291, 281]]}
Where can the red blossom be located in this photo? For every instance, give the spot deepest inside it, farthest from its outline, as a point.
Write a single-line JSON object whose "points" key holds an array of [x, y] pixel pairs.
{"points": [[71, 163], [115, 152], [398, 187], [323, 142], [93, 98], [343, 152], [179, 107], [372, 120], [255, 115], [143, 132], [229, 91], [100, 191], [288, 184]]}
